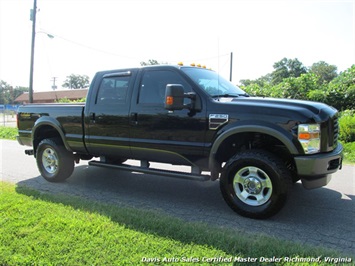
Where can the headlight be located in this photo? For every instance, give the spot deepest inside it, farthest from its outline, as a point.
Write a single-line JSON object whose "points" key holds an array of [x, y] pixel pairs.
{"points": [[309, 136]]}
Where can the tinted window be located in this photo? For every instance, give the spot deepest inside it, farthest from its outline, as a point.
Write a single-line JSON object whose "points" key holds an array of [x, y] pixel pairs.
{"points": [[211, 82], [113, 90], [152, 88]]}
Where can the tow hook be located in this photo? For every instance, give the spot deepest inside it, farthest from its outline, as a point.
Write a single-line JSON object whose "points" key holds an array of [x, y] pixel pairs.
{"points": [[29, 152]]}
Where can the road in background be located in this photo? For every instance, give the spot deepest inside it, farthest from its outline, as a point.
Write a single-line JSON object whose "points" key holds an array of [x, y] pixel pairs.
{"points": [[321, 217]]}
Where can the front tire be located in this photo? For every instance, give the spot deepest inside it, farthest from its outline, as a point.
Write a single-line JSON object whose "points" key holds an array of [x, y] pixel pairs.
{"points": [[255, 183], [54, 162]]}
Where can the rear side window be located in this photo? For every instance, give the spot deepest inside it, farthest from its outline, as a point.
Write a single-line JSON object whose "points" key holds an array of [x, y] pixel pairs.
{"points": [[113, 90]]}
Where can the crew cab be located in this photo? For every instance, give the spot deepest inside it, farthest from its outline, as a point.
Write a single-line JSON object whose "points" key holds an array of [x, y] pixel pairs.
{"points": [[181, 115]]}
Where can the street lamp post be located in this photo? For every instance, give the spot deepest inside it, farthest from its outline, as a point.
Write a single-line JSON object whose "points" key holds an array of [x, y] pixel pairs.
{"points": [[33, 18]]}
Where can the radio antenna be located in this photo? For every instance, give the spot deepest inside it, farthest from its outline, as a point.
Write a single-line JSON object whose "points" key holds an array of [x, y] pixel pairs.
{"points": [[218, 67], [231, 67]]}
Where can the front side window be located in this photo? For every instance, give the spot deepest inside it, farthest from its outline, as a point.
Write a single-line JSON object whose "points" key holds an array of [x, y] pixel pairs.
{"points": [[113, 90], [153, 85]]}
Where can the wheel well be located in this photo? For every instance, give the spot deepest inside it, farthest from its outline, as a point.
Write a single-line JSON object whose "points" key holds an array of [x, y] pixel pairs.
{"points": [[44, 132], [254, 140]]}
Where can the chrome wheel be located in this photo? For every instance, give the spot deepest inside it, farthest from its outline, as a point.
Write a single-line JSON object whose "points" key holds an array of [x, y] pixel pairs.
{"points": [[54, 161], [255, 183], [252, 186], [50, 160]]}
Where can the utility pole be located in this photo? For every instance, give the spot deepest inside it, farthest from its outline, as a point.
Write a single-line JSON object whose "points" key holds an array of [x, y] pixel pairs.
{"points": [[54, 87], [33, 18], [231, 67]]}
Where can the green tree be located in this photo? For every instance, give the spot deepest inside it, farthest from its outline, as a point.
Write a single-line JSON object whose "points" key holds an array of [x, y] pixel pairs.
{"points": [[286, 68], [8, 94], [76, 82], [260, 89], [150, 62], [4, 88], [262, 81], [304, 87], [325, 72], [341, 90], [298, 88]]}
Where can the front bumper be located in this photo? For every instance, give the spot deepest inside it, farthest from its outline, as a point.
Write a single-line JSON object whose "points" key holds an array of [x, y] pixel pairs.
{"points": [[315, 170]]}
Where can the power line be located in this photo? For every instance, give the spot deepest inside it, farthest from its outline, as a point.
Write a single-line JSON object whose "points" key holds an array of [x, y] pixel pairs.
{"points": [[88, 47], [126, 56]]}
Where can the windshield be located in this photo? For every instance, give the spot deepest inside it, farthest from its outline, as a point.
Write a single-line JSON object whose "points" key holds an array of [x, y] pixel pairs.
{"points": [[212, 83]]}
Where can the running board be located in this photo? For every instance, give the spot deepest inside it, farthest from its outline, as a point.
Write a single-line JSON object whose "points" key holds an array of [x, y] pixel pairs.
{"points": [[153, 171]]}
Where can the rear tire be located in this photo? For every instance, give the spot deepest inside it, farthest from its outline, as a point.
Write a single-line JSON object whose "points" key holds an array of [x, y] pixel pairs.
{"points": [[255, 183], [54, 161]]}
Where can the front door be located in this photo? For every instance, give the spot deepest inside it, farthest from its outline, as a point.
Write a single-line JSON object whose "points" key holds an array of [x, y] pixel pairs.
{"points": [[161, 135]]}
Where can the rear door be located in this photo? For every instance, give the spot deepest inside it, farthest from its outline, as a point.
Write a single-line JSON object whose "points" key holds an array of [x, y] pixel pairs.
{"points": [[107, 121]]}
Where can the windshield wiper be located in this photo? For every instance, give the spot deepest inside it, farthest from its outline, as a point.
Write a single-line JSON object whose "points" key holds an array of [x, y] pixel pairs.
{"points": [[224, 95], [227, 95]]}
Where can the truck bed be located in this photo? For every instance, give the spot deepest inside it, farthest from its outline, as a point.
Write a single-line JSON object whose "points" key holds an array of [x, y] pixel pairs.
{"points": [[68, 117]]}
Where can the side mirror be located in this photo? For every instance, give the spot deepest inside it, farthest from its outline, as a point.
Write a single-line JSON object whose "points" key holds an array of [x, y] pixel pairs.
{"points": [[174, 97]]}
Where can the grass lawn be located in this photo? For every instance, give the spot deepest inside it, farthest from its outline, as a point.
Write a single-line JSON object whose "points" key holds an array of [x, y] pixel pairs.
{"points": [[44, 229], [8, 132]]}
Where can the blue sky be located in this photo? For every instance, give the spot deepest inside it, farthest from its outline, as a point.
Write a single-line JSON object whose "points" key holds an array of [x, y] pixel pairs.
{"points": [[93, 35]]}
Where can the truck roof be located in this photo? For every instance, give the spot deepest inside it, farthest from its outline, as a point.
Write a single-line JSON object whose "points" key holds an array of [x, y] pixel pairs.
{"points": [[148, 66]]}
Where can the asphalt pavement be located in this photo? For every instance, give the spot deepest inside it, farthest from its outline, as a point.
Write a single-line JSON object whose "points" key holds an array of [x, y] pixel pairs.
{"points": [[321, 217]]}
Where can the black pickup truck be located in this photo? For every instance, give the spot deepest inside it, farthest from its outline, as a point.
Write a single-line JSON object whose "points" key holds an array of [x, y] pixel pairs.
{"points": [[182, 115]]}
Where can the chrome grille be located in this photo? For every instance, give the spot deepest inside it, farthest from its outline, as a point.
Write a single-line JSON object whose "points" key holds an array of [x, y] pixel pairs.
{"points": [[335, 131]]}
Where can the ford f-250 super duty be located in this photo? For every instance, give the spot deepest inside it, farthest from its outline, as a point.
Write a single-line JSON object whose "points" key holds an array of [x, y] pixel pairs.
{"points": [[184, 115]]}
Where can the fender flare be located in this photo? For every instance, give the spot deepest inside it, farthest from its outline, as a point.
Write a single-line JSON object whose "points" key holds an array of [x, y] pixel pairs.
{"points": [[278, 134], [49, 121]]}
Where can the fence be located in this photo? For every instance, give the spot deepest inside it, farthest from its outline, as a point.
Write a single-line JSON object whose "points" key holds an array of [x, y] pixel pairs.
{"points": [[8, 114]]}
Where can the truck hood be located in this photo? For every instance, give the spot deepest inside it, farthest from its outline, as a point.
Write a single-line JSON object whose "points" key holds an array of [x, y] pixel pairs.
{"points": [[303, 111]]}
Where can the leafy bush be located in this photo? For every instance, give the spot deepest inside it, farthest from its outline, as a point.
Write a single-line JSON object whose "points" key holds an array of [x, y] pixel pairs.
{"points": [[66, 100], [347, 126], [317, 96], [339, 93], [349, 152], [341, 90]]}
